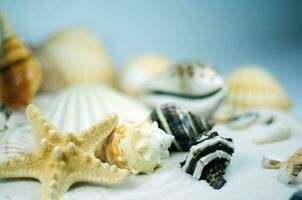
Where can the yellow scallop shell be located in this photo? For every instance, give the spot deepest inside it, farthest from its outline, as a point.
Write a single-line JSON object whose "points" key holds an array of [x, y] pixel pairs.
{"points": [[74, 56], [253, 87]]}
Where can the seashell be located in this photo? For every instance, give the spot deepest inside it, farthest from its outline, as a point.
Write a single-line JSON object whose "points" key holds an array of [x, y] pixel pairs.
{"points": [[243, 120], [193, 85], [20, 73], [76, 108], [208, 159], [186, 127], [274, 132], [271, 163], [253, 87], [140, 70], [16, 142], [139, 147], [291, 168], [297, 195], [74, 56]]}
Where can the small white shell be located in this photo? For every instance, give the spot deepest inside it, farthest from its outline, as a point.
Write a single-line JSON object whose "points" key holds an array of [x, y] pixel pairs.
{"points": [[140, 70], [16, 142], [269, 162], [77, 108], [243, 120], [274, 132]]}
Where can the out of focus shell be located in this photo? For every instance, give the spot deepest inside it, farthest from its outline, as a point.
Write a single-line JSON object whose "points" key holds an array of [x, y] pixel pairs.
{"points": [[254, 87], [20, 73], [140, 70], [74, 56], [76, 108]]}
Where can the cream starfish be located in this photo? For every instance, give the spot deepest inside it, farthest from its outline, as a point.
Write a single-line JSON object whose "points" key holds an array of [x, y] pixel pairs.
{"points": [[63, 159]]}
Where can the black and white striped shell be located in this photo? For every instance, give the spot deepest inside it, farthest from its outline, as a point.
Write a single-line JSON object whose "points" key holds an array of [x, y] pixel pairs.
{"points": [[186, 127], [208, 159]]}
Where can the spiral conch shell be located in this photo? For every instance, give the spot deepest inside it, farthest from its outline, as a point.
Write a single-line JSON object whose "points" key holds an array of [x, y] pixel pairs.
{"points": [[253, 87], [139, 147], [74, 56], [20, 73]]}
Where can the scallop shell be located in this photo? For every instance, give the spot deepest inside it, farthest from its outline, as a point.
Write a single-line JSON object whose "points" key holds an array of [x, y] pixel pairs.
{"points": [[288, 169], [76, 108], [253, 87], [140, 147], [140, 70], [193, 85], [16, 142], [209, 158], [20, 73], [186, 127], [74, 56], [291, 168]]}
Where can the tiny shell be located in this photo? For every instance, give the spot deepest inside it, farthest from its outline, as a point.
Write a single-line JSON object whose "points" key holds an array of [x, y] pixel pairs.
{"points": [[20, 73], [185, 126], [139, 147], [74, 56], [16, 142], [196, 86], [253, 87], [291, 168], [209, 158], [140, 70], [269, 162]]}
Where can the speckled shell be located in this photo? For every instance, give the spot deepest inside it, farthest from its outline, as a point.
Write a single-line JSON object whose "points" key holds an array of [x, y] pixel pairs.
{"points": [[185, 126], [76, 108], [194, 85], [20, 73], [209, 158], [139, 147], [16, 142], [139, 70], [253, 87], [74, 56]]}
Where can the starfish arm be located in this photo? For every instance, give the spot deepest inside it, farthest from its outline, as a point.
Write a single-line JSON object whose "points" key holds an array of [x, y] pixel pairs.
{"points": [[40, 125], [94, 136], [26, 166], [101, 173], [53, 189]]}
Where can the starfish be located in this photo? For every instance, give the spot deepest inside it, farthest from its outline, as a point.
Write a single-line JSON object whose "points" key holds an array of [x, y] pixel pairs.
{"points": [[63, 159]]}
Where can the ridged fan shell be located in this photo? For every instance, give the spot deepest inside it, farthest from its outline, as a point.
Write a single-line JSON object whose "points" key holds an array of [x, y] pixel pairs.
{"points": [[16, 142], [254, 87], [77, 108], [74, 56]]}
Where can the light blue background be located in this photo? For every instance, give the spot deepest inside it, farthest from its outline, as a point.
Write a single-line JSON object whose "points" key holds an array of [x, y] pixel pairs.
{"points": [[226, 33]]}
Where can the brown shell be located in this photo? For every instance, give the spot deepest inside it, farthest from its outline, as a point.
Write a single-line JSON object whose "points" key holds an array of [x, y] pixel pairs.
{"points": [[20, 73]]}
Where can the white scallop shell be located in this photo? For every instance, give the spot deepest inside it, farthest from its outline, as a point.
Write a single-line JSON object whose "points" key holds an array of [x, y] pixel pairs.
{"points": [[253, 87], [77, 108], [140, 70], [16, 142], [74, 56], [196, 86]]}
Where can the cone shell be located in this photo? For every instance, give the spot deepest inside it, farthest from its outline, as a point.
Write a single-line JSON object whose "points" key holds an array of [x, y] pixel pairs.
{"points": [[76, 108], [20, 73], [74, 56], [253, 87], [140, 70], [16, 142], [139, 147]]}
